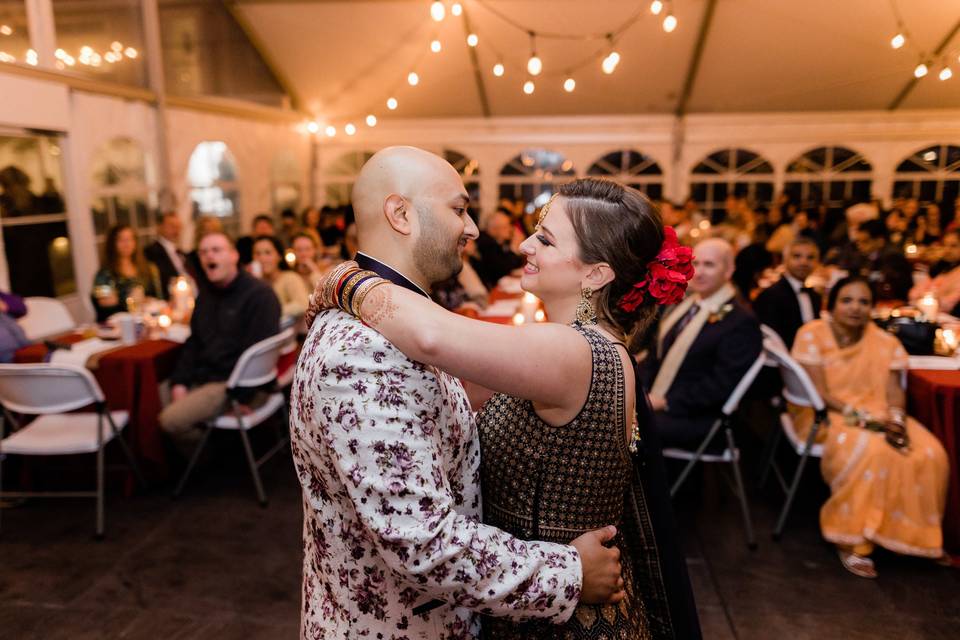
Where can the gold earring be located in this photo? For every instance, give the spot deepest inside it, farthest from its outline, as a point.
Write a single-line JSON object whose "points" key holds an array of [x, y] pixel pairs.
{"points": [[585, 313]]}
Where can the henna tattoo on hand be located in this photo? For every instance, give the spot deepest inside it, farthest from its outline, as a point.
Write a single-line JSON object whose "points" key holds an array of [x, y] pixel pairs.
{"points": [[378, 307]]}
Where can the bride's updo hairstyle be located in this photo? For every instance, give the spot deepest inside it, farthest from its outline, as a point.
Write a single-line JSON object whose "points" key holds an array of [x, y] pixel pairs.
{"points": [[620, 226]]}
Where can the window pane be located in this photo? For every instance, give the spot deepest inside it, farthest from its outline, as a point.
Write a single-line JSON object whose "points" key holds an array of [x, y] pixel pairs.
{"points": [[14, 37], [30, 180], [39, 259], [101, 39], [101, 216], [861, 190]]}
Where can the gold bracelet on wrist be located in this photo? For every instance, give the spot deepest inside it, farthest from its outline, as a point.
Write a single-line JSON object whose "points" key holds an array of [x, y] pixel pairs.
{"points": [[363, 291]]}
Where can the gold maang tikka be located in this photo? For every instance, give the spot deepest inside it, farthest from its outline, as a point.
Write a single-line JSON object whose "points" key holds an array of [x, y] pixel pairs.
{"points": [[546, 208]]}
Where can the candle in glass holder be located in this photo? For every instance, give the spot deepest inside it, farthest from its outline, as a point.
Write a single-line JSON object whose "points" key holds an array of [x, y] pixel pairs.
{"points": [[181, 298], [929, 306]]}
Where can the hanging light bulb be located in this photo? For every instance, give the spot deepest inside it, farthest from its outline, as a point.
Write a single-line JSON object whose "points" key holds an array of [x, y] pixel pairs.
{"points": [[610, 63], [437, 11], [330, 131], [435, 46], [350, 129], [920, 71], [498, 69], [456, 8], [413, 79], [529, 87], [473, 40], [946, 73], [534, 64], [313, 126], [6, 30], [669, 23], [371, 120], [391, 103], [898, 41], [569, 85], [656, 7]]}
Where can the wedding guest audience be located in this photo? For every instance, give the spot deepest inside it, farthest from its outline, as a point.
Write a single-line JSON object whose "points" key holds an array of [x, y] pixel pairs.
{"points": [[704, 346], [887, 473], [203, 226], [788, 304], [306, 247], [869, 254], [288, 227], [287, 285], [896, 223], [333, 224], [465, 288], [310, 219], [165, 253], [495, 255], [786, 233], [262, 226], [348, 247], [126, 277], [232, 313], [12, 336], [950, 256]]}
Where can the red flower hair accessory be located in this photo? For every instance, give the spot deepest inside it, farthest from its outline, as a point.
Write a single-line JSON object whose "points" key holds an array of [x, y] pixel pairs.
{"points": [[667, 275]]}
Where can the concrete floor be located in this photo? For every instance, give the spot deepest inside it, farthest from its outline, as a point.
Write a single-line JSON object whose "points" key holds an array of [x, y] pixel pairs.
{"points": [[215, 565]]}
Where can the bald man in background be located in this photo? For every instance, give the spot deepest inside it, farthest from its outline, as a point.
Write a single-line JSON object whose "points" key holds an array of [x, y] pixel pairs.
{"points": [[388, 456], [704, 347]]}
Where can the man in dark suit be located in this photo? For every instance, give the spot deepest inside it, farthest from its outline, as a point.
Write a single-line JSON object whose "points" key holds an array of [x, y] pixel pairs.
{"points": [[787, 305], [704, 347], [871, 254], [165, 251], [497, 256]]}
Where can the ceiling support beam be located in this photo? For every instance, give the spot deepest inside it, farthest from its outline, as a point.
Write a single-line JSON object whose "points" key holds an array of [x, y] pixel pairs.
{"points": [[475, 63], [694, 67], [913, 81]]}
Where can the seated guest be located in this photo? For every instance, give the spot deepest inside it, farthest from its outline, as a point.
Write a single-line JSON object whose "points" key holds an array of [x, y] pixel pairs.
{"points": [[306, 246], [870, 255], [262, 226], [232, 313], [289, 287], [495, 257], [787, 304], [12, 336], [704, 346], [950, 257], [202, 226], [887, 474], [288, 227], [165, 253], [126, 275]]}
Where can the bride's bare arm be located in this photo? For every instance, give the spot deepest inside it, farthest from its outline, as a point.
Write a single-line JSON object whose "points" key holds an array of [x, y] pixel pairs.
{"points": [[538, 362]]}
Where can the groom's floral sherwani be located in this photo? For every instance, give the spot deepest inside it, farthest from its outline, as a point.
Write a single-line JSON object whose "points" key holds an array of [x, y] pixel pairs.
{"points": [[387, 453]]}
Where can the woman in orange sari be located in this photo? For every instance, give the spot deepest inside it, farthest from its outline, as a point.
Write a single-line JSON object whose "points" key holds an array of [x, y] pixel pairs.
{"points": [[887, 473]]}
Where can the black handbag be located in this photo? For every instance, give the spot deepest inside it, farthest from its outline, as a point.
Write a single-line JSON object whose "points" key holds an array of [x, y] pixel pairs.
{"points": [[916, 336]]}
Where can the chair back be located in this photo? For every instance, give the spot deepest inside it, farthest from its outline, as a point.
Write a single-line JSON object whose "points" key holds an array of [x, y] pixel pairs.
{"points": [[738, 392], [773, 336], [798, 388], [45, 317], [45, 388], [258, 364]]}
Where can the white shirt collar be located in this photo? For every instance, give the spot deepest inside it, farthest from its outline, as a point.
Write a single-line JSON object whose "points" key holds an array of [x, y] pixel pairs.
{"points": [[796, 284]]}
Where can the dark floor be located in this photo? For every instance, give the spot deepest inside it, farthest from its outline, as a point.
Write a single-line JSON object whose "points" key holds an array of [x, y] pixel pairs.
{"points": [[215, 565]]}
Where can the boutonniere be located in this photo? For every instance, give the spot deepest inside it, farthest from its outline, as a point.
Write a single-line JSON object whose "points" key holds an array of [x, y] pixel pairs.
{"points": [[720, 313]]}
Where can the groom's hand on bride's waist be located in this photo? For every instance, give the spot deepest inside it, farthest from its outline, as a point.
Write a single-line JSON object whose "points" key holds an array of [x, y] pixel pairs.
{"points": [[602, 577]]}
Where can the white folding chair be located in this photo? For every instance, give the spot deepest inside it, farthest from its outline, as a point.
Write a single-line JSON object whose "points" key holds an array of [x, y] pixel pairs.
{"points": [[256, 367], [730, 455], [45, 317], [50, 391], [798, 390], [770, 334]]}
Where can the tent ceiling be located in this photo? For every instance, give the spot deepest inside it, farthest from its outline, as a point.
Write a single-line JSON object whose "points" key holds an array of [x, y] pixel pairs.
{"points": [[342, 59]]}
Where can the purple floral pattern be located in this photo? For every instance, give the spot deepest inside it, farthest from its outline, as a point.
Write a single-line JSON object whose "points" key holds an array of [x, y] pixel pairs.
{"points": [[387, 453]]}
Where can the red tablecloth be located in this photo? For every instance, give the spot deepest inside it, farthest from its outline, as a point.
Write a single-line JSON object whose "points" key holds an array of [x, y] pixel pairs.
{"points": [[934, 399], [130, 377]]}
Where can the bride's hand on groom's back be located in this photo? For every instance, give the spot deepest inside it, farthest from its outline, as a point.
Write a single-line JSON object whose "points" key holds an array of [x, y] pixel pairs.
{"points": [[602, 577]]}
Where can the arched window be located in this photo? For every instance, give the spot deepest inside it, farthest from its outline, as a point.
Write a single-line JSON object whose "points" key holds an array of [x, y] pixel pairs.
{"points": [[532, 177], [731, 172], [931, 175], [285, 182], [829, 175], [340, 176], [469, 170], [214, 189], [123, 191], [633, 169]]}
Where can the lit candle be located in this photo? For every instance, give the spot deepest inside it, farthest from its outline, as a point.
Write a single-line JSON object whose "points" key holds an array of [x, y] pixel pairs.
{"points": [[164, 321], [518, 318], [929, 306], [528, 306], [540, 316]]}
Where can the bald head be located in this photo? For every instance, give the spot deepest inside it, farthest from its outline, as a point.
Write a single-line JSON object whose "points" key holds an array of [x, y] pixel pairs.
{"points": [[713, 266], [410, 208]]}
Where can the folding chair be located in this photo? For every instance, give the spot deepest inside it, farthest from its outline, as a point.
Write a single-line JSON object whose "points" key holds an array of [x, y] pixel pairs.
{"points": [[50, 391], [256, 367], [730, 455], [45, 317], [798, 390]]}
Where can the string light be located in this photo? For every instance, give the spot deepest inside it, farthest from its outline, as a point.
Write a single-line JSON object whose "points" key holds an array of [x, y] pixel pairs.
{"points": [[6, 30], [569, 85], [371, 120], [350, 129], [473, 40], [435, 46], [31, 57], [898, 41], [609, 64], [529, 87], [116, 46], [437, 11], [6, 57], [656, 7], [313, 126], [920, 71], [130, 52], [498, 69], [946, 73], [330, 131], [391, 103], [669, 23], [456, 8], [413, 79], [534, 64]]}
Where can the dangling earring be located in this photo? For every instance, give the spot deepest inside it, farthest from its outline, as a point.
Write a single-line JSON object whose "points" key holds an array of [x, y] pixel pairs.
{"points": [[585, 313]]}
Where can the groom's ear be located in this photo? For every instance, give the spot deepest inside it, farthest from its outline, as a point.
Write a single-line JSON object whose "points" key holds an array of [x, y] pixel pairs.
{"points": [[397, 212]]}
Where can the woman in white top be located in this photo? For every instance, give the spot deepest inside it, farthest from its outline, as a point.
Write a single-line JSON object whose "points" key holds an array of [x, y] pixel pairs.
{"points": [[289, 287]]}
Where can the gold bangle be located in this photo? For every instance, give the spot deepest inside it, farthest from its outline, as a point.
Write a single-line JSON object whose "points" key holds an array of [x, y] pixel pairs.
{"points": [[346, 292], [330, 284], [363, 291]]}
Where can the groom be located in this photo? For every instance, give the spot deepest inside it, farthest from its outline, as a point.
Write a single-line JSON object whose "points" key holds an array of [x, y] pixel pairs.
{"points": [[387, 452]]}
